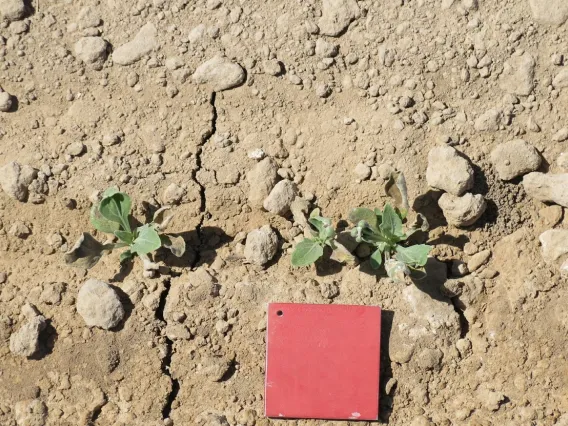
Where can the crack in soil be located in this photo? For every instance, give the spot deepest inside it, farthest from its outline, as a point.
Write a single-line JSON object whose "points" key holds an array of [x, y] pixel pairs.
{"points": [[166, 362]]}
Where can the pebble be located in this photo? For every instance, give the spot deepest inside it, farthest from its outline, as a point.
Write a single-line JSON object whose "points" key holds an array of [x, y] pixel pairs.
{"points": [[89, 17], [261, 245], [173, 194], [555, 247], [549, 12], [144, 42], [489, 121], [19, 229], [273, 67], [515, 158], [518, 75], [552, 188], [337, 15], [326, 49], [362, 171], [561, 135], [464, 210], [12, 10], [5, 102], [15, 179], [30, 413], [478, 260], [329, 289], [561, 79], [220, 73], [25, 341], [99, 305], [429, 359], [323, 90], [75, 149], [281, 197], [261, 179], [562, 161], [449, 171]]}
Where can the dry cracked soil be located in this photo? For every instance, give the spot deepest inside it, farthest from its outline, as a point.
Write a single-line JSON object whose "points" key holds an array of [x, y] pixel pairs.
{"points": [[208, 105]]}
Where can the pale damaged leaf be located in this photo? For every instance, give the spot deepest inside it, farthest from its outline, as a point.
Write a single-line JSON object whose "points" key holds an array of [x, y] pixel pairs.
{"points": [[395, 187], [161, 219], [86, 252], [342, 255], [175, 244]]}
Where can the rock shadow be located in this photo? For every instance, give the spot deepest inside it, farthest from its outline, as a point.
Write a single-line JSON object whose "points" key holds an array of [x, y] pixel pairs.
{"points": [[126, 304]]}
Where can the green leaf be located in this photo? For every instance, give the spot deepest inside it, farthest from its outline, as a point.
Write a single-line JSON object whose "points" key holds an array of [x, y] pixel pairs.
{"points": [[306, 252], [125, 236], [376, 259], [86, 252], [317, 222], [367, 215], [175, 244], [100, 223], [116, 208], [315, 212], [126, 256], [414, 256], [110, 192], [392, 223], [147, 240]]}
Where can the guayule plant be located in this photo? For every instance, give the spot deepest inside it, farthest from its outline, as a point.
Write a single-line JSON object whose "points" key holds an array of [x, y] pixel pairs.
{"points": [[112, 216], [384, 230], [311, 249]]}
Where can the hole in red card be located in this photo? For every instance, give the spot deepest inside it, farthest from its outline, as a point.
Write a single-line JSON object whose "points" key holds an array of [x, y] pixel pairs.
{"points": [[279, 313]]}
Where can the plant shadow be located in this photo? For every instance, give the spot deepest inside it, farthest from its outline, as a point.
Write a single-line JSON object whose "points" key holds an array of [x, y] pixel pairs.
{"points": [[385, 400]]}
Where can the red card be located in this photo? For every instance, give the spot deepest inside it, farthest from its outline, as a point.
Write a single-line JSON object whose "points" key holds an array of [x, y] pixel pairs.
{"points": [[323, 361]]}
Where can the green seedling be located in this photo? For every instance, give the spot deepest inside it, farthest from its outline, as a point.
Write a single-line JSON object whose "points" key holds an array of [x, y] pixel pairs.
{"points": [[311, 249], [112, 216], [384, 230]]}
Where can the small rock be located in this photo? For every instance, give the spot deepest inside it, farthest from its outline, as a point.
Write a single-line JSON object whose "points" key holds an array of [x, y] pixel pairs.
{"points": [[518, 75], [325, 49], [261, 245], [337, 15], [429, 359], [99, 305], [15, 179], [421, 420], [220, 73], [362, 171], [89, 17], [12, 10], [478, 260], [562, 161], [75, 149], [281, 197], [489, 121], [25, 342], [490, 399], [329, 289], [222, 327], [554, 246], [214, 369], [464, 210], [551, 188], [561, 79], [549, 12], [273, 67], [19, 229], [515, 158], [30, 413], [261, 179], [142, 44], [173, 194], [449, 171], [561, 135], [323, 90], [173, 63], [5, 102], [391, 383]]}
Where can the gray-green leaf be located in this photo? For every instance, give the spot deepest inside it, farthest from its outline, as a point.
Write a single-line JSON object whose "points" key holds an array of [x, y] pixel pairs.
{"points": [[392, 223], [100, 223], [146, 241], [175, 244], [126, 255], [363, 214], [125, 236], [116, 208], [376, 259], [414, 256], [85, 253], [306, 252]]}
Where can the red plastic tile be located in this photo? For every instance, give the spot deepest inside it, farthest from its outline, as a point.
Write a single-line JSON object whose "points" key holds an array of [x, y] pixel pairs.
{"points": [[323, 361]]}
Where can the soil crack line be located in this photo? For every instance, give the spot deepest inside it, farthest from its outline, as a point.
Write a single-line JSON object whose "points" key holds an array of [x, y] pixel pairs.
{"points": [[166, 362]]}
